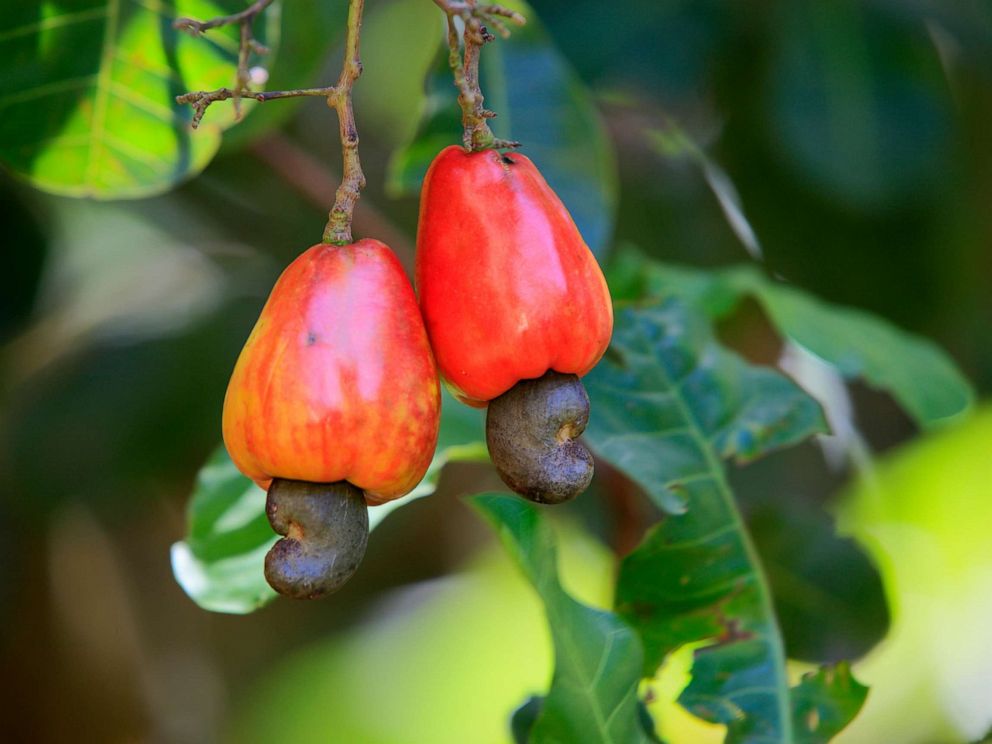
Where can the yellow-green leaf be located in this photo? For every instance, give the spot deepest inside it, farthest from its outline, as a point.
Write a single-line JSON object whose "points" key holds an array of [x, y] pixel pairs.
{"points": [[88, 87]]}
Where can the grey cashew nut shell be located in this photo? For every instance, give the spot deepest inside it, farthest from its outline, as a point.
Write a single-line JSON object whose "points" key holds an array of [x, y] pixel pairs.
{"points": [[326, 531], [532, 432]]}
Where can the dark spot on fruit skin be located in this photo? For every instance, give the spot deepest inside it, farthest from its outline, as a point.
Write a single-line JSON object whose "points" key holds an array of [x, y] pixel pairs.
{"points": [[531, 432], [326, 530], [507, 160], [311, 338]]}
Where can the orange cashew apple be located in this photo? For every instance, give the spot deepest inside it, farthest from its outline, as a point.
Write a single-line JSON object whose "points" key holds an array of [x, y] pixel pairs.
{"points": [[336, 385]]}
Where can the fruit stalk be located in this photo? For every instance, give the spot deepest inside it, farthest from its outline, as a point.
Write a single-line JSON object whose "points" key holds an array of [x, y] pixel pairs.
{"points": [[465, 66], [338, 229]]}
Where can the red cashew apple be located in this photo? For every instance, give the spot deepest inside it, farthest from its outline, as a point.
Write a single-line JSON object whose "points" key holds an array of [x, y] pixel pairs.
{"points": [[334, 402], [508, 288], [517, 309]]}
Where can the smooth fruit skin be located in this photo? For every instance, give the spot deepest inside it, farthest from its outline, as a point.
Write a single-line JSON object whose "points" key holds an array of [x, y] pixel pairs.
{"points": [[508, 288], [336, 381]]}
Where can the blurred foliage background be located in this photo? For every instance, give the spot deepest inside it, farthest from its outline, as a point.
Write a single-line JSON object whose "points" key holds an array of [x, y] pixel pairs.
{"points": [[854, 137]]}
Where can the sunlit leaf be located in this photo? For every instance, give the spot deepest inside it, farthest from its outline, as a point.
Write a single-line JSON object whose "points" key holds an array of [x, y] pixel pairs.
{"points": [[220, 563], [546, 108], [914, 370], [669, 405], [88, 92], [593, 695], [923, 515]]}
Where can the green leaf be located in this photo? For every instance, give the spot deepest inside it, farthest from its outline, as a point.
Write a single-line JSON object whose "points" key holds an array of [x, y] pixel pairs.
{"points": [[824, 702], [914, 370], [593, 695], [220, 564], [668, 405], [88, 105], [523, 719], [545, 107]]}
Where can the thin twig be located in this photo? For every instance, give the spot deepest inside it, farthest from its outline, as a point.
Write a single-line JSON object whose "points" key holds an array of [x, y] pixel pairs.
{"points": [[465, 65], [338, 228], [196, 28], [202, 99], [247, 45]]}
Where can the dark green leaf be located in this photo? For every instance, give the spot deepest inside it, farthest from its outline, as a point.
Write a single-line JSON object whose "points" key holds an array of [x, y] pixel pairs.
{"points": [[23, 268], [914, 370], [813, 572], [668, 405], [647, 723], [598, 658], [88, 104], [523, 719], [546, 108], [220, 563], [824, 702]]}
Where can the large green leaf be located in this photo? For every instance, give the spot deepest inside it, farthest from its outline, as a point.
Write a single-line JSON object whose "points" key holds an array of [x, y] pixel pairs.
{"points": [[598, 658], [541, 103], [220, 563], [669, 405], [914, 370], [88, 87]]}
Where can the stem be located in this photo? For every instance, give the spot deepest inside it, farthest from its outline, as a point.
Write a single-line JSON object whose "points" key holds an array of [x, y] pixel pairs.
{"points": [[338, 229], [465, 66], [309, 176], [200, 100]]}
